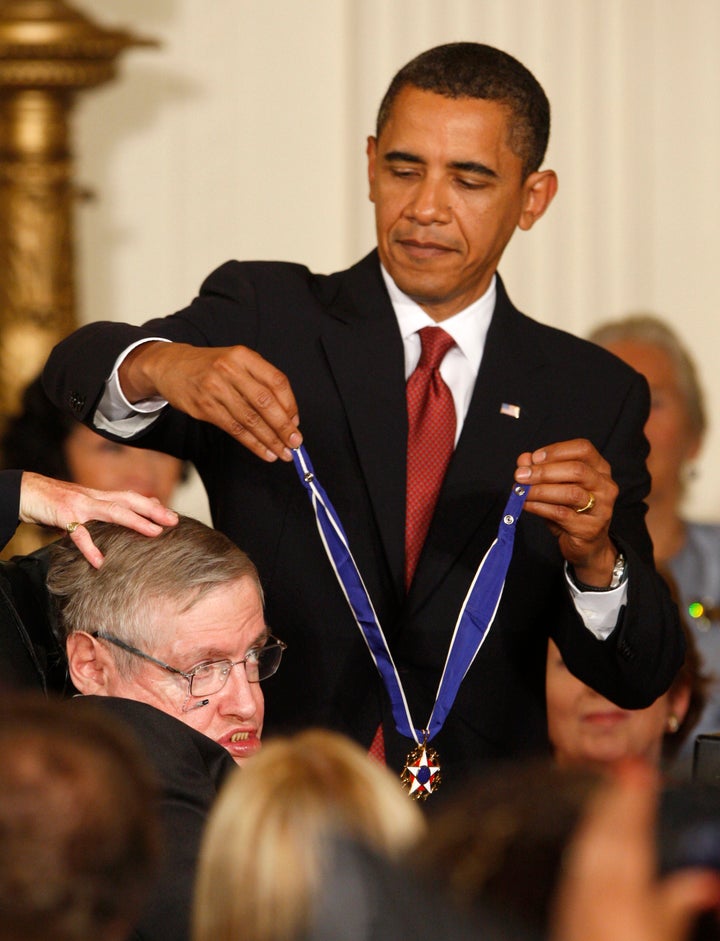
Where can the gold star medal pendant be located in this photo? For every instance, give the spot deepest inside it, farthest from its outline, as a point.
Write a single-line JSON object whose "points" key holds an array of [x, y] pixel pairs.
{"points": [[421, 775]]}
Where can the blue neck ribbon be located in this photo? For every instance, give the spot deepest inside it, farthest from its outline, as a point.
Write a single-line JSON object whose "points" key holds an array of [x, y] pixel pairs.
{"points": [[473, 623]]}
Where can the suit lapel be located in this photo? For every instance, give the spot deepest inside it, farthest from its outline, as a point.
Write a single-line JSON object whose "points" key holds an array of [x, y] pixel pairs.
{"points": [[364, 349]]}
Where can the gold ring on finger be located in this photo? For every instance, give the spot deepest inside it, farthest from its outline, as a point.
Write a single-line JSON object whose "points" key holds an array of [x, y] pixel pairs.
{"points": [[588, 506]]}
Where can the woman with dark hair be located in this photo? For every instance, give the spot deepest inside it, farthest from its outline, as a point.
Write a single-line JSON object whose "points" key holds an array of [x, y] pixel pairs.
{"points": [[42, 440], [587, 730]]}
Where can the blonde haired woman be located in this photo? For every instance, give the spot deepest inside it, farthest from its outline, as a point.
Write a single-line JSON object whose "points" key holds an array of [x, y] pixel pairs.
{"points": [[268, 850]]}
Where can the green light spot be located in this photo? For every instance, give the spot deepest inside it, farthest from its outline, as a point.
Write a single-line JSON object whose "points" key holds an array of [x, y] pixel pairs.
{"points": [[696, 610]]}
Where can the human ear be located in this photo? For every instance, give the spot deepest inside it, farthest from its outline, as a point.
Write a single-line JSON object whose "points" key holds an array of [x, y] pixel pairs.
{"points": [[87, 664], [693, 448], [679, 702], [538, 192], [371, 152]]}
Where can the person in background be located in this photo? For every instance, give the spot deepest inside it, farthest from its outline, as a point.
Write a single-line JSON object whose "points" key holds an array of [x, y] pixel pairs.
{"points": [[43, 440], [303, 844], [79, 837], [613, 882], [455, 168], [31, 654], [169, 636], [544, 848], [176, 622], [587, 730], [675, 430], [496, 843]]}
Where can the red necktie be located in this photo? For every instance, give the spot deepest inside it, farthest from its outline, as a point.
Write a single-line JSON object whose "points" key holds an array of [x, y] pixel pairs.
{"points": [[431, 439]]}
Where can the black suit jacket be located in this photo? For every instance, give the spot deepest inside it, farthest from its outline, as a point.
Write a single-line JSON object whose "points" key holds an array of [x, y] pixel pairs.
{"points": [[190, 768], [32, 654], [9, 503], [336, 338]]}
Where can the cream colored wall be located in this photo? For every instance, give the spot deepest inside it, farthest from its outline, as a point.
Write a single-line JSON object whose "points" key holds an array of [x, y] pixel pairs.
{"points": [[244, 136]]}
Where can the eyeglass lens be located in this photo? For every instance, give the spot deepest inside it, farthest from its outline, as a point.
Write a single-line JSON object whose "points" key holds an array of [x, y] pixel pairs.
{"points": [[211, 677]]}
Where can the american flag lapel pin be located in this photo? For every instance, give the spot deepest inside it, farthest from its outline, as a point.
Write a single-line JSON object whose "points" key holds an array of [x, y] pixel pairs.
{"points": [[512, 410]]}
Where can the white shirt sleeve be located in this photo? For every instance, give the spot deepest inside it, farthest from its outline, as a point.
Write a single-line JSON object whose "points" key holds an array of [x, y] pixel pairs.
{"points": [[598, 609], [118, 416]]}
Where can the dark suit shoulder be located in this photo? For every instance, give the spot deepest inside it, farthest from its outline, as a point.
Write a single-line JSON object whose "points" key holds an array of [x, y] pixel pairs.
{"points": [[575, 359], [233, 278], [242, 280], [583, 354], [180, 754], [270, 306], [190, 768]]}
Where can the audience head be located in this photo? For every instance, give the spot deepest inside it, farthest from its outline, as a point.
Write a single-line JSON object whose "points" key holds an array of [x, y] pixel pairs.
{"points": [[474, 70], [643, 862], [175, 621], [677, 421], [46, 441], [78, 836], [570, 852], [270, 835], [585, 729], [496, 844]]}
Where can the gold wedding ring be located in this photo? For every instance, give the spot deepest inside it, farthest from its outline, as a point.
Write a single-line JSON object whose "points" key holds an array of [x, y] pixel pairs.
{"points": [[588, 506], [71, 527]]}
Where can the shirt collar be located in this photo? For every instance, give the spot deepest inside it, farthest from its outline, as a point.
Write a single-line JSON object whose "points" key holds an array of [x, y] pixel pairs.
{"points": [[468, 328]]}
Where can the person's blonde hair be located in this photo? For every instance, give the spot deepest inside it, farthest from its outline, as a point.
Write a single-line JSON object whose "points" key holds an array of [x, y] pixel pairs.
{"points": [[261, 861]]}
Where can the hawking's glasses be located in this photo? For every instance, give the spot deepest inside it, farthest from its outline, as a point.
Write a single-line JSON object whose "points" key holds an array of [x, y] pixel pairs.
{"points": [[209, 678]]}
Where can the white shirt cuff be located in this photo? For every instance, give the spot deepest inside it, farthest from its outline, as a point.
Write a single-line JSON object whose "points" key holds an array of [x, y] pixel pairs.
{"points": [[598, 609], [118, 416]]}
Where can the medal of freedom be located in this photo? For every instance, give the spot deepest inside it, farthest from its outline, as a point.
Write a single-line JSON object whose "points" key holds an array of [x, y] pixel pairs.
{"points": [[421, 775]]}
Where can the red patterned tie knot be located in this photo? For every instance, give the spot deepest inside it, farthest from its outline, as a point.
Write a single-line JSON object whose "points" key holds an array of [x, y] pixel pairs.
{"points": [[435, 344]]}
